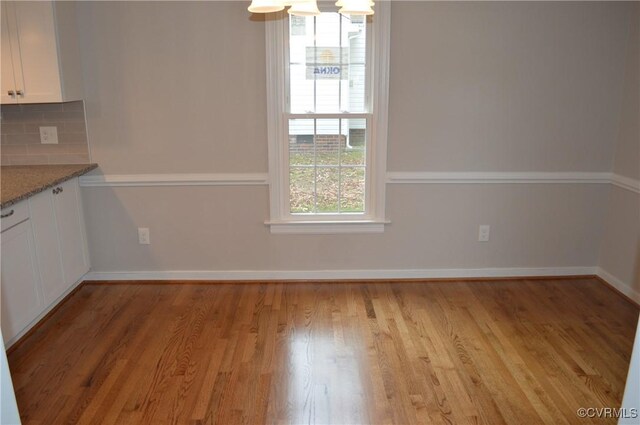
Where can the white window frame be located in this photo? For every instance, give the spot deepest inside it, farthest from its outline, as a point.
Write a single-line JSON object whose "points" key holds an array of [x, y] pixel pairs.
{"points": [[373, 221]]}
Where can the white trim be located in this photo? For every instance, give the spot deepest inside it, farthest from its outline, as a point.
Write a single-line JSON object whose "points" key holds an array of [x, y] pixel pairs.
{"points": [[322, 115], [497, 177], [277, 115], [625, 183], [397, 177], [275, 54], [326, 227], [86, 130], [621, 286], [131, 180], [222, 275], [380, 91]]}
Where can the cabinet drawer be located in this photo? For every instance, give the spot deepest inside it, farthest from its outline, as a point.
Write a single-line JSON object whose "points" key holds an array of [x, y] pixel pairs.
{"points": [[13, 215]]}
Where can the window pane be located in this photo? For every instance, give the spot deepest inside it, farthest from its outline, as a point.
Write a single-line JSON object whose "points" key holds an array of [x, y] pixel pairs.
{"points": [[356, 84], [327, 64], [327, 96], [302, 194], [327, 189], [301, 34], [327, 74], [302, 99], [354, 149], [327, 165], [328, 142], [328, 29], [352, 189], [301, 142]]}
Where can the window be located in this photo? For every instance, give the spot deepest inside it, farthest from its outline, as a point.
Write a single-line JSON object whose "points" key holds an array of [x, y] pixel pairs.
{"points": [[327, 101]]}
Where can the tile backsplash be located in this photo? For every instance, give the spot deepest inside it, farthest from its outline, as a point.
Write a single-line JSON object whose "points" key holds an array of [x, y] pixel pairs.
{"points": [[20, 133]]}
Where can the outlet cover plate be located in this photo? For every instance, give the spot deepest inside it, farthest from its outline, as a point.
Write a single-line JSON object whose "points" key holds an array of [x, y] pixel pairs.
{"points": [[483, 233], [49, 135], [143, 236]]}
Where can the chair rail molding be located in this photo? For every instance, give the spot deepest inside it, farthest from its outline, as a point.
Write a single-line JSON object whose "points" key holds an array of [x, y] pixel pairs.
{"points": [[626, 183], [392, 177], [412, 177], [184, 179]]}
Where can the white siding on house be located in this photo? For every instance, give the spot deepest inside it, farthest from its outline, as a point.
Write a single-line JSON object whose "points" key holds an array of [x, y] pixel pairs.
{"points": [[329, 95]]}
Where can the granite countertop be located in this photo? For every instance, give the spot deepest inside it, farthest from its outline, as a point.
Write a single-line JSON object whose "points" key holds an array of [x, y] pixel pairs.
{"points": [[18, 182]]}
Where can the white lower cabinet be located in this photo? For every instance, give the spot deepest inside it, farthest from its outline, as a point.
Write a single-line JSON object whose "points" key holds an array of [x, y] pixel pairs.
{"points": [[48, 252], [57, 220], [71, 231], [57, 256], [21, 284]]}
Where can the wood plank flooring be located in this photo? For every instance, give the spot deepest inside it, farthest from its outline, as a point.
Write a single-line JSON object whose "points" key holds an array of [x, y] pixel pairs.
{"points": [[522, 352]]}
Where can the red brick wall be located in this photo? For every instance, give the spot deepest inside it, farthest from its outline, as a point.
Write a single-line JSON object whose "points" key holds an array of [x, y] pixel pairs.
{"points": [[323, 142]]}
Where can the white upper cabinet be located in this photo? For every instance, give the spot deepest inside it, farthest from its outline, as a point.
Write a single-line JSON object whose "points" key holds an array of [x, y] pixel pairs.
{"points": [[8, 82], [40, 57]]}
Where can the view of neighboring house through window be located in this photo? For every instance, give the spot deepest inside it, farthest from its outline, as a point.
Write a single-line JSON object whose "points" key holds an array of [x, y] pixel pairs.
{"points": [[328, 116]]}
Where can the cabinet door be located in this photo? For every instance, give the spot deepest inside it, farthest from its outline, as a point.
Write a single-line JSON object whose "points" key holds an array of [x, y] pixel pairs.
{"points": [[20, 280], [37, 72], [70, 224], [7, 80], [8, 407], [45, 233]]}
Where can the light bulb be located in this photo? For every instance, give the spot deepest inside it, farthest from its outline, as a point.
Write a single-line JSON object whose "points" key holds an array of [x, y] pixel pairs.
{"points": [[304, 8], [265, 6]]}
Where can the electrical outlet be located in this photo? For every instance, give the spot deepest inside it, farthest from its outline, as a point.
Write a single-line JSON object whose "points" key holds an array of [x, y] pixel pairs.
{"points": [[483, 233], [143, 236], [49, 135]]}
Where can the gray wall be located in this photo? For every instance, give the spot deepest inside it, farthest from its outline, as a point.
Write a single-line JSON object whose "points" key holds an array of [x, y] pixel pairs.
{"points": [[474, 87], [505, 86], [433, 226], [620, 254], [174, 87]]}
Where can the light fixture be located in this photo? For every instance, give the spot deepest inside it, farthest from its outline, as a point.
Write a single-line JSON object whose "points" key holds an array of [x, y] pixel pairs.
{"points": [[355, 7], [266, 6], [340, 3], [310, 7], [304, 8]]}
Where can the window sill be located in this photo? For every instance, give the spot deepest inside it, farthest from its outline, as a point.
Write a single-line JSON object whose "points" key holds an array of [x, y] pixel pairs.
{"points": [[327, 227]]}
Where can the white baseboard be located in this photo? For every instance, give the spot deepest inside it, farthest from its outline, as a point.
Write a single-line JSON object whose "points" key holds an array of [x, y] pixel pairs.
{"points": [[223, 275], [621, 286]]}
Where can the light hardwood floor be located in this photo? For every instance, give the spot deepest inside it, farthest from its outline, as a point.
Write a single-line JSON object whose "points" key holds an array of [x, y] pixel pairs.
{"points": [[520, 352]]}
